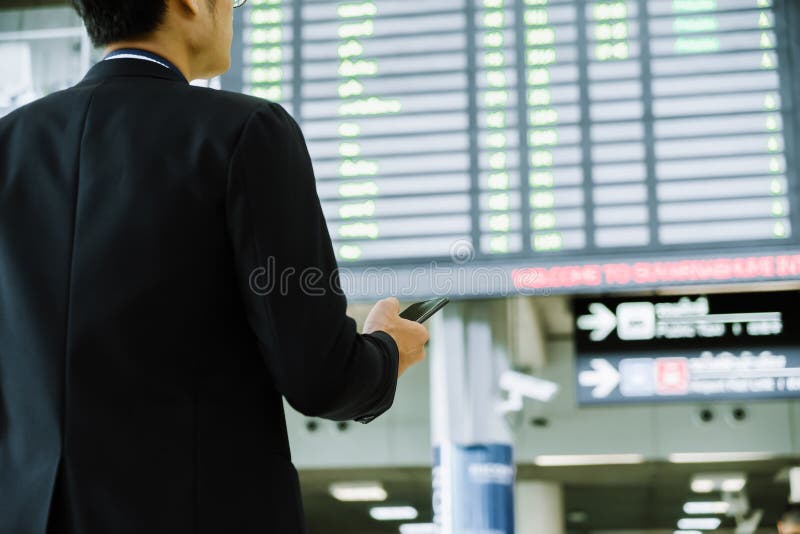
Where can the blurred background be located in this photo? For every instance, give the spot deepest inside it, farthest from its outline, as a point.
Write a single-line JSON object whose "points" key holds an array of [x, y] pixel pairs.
{"points": [[608, 192]]}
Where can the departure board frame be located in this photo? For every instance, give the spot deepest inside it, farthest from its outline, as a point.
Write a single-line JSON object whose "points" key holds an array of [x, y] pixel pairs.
{"points": [[600, 256]]}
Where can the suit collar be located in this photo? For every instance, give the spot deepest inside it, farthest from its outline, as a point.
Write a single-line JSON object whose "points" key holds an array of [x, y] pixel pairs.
{"points": [[131, 67], [144, 55]]}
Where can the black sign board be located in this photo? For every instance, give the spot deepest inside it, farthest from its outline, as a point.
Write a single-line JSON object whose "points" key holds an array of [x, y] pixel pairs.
{"points": [[688, 348]]}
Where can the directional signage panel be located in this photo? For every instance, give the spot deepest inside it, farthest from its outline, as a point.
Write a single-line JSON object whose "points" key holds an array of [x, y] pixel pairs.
{"points": [[687, 348]]}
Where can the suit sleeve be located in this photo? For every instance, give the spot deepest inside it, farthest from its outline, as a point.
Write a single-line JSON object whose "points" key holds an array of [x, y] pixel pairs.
{"points": [[290, 283]]}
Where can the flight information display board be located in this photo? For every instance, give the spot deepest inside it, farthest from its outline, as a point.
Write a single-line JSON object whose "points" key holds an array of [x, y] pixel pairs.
{"points": [[540, 144]]}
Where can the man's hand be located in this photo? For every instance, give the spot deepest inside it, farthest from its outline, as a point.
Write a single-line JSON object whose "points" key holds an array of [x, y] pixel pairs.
{"points": [[410, 336]]}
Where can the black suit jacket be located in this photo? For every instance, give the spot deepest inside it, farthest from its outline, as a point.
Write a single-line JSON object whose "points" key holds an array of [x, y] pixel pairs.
{"points": [[143, 353]]}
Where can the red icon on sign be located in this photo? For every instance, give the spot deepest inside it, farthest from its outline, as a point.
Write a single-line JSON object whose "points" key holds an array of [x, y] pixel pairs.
{"points": [[672, 376]]}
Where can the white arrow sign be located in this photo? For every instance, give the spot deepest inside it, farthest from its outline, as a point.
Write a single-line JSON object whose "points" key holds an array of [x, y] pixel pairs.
{"points": [[603, 378], [601, 322]]}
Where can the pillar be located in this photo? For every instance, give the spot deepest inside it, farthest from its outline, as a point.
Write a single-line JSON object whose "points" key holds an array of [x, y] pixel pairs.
{"points": [[539, 507]]}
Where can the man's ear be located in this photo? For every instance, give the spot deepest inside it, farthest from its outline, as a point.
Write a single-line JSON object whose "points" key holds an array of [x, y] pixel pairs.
{"points": [[191, 7]]}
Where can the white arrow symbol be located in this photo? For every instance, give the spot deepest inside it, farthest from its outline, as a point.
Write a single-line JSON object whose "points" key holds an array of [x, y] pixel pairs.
{"points": [[603, 378], [601, 322]]}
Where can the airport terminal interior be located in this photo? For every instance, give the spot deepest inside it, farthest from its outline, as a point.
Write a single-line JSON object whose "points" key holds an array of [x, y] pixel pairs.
{"points": [[605, 190]]}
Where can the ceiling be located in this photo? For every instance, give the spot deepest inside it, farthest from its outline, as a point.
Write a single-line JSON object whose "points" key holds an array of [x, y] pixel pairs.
{"points": [[613, 498], [16, 4]]}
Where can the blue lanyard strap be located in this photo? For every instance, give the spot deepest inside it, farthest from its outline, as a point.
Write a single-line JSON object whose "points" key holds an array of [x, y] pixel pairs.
{"points": [[136, 53]]}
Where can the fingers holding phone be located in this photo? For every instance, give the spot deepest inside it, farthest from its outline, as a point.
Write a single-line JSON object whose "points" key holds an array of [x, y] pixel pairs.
{"points": [[410, 336]]}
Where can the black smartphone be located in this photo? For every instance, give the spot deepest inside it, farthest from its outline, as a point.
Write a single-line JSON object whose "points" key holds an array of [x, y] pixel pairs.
{"points": [[422, 311]]}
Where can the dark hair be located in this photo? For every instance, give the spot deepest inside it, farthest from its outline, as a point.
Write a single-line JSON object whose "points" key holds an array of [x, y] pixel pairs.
{"points": [[108, 21], [791, 514]]}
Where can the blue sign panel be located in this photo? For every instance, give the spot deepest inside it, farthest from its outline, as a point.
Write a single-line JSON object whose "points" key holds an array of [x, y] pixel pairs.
{"points": [[479, 481]]}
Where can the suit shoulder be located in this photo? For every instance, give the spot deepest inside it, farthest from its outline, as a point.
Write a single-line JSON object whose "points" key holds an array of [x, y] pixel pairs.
{"points": [[54, 106], [237, 104]]}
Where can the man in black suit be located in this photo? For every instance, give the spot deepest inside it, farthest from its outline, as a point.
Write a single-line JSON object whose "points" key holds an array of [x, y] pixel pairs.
{"points": [[144, 348]]}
